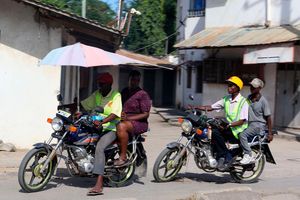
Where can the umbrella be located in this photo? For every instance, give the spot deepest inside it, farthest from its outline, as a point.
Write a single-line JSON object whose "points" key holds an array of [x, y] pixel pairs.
{"points": [[85, 56], [82, 55]]}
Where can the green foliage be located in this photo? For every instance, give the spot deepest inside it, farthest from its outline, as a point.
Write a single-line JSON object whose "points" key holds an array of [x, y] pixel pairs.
{"points": [[170, 22], [95, 9], [147, 28]]}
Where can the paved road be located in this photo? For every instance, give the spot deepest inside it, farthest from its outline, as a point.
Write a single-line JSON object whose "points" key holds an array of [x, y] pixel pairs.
{"points": [[279, 181]]}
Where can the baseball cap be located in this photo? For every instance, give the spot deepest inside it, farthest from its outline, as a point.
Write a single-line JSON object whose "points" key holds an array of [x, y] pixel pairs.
{"points": [[105, 78], [256, 82]]}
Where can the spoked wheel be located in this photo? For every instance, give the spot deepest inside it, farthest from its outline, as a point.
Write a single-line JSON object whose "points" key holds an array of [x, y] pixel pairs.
{"points": [[164, 168], [30, 177], [251, 172], [121, 176]]}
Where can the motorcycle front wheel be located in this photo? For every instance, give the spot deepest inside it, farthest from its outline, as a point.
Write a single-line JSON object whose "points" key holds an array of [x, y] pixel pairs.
{"points": [[164, 169], [251, 172], [30, 177]]}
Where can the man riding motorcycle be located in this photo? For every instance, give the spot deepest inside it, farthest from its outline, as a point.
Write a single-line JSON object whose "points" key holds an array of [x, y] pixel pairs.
{"points": [[236, 113], [110, 100]]}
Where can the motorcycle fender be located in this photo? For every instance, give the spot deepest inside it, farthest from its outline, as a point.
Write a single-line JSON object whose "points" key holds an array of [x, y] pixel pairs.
{"points": [[267, 152], [48, 149], [174, 145], [43, 145]]}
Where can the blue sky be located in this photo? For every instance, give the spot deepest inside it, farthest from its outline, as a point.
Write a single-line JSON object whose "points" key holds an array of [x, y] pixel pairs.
{"points": [[114, 3]]}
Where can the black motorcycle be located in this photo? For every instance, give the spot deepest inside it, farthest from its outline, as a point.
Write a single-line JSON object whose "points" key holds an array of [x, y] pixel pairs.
{"points": [[76, 143], [197, 129]]}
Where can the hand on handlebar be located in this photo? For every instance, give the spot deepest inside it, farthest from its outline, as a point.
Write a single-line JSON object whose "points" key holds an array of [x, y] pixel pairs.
{"points": [[97, 123], [77, 115]]}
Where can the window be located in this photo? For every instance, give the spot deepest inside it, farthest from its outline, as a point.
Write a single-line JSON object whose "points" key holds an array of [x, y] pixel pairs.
{"points": [[218, 70], [197, 8], [189, 77]]}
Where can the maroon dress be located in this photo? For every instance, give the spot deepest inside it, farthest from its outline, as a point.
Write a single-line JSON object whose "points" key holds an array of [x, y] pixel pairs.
{"points": [[136, 102]]}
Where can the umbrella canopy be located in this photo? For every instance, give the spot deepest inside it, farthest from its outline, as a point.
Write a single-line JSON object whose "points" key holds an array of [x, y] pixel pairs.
{"points": [[85, 56]]}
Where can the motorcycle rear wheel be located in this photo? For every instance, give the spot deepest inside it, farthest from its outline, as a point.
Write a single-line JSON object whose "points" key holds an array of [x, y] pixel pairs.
{"points": [[30, 178], [251, 172], [163, 169], [123, 175]]}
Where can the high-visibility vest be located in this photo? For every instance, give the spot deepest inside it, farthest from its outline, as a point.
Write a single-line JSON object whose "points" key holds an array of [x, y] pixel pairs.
{"points": [[234, 115], [107, 110]]}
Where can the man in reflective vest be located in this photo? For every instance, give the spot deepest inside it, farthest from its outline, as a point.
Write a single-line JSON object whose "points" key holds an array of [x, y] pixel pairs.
{"points": [[110, 100], [236, 113]]}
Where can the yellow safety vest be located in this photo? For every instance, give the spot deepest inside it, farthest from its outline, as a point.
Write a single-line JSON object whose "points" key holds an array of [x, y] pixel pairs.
{"points": [[234, 115], [107, 110]]}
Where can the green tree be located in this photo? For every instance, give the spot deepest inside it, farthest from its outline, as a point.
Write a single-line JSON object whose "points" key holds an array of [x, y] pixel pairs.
{"points": [[96, 10], [170, 22], [147, 29]]}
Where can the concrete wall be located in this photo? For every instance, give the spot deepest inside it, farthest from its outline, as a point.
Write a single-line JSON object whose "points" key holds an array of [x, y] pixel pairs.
{"points": [[251, 12], [269, 91], [28, 92]]}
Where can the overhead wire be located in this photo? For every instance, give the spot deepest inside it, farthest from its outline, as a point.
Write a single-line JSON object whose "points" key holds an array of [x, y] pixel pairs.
{"points": [[167, 37]]}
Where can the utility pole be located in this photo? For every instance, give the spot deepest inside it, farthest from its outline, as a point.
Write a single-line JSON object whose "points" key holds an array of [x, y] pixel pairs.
{"points": [[83, 8], [120, 13]]}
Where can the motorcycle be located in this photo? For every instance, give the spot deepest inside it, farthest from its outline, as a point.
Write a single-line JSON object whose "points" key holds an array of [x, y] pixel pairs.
{"points": [[197, 129], [76, 144]]}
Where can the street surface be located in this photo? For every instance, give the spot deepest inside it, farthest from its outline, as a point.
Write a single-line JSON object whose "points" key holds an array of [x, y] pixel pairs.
{"points": [[281, 181]]}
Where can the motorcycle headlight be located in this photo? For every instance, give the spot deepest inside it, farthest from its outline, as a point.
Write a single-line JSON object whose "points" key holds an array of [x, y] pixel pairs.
{"points": [[57, 124], [186, 126]]}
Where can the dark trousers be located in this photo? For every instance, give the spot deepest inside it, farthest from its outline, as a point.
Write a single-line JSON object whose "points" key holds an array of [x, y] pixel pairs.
{"points": [[219, 139]]}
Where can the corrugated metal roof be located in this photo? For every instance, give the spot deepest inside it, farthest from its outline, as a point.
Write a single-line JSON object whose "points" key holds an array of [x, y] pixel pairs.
{"points": [[242, 36], [156, 62], [68, 15]]}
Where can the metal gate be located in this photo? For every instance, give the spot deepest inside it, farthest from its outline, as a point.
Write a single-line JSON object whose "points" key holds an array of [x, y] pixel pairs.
{"points": [[287, 112]]}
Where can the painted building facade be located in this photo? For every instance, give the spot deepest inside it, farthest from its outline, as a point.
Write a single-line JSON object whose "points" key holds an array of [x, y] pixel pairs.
{"points": [[231, 42]]}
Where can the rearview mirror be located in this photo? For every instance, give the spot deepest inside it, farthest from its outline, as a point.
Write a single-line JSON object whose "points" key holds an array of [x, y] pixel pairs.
{"points": [[191, 97], [59, 97]]}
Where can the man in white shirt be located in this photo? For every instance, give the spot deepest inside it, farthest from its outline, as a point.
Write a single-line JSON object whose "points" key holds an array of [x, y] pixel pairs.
{"points": [[236, 113]]}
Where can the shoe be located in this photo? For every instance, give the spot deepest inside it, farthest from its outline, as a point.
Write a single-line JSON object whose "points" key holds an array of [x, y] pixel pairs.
{"points": [[246, 159], [220, 164], [120, 162]]}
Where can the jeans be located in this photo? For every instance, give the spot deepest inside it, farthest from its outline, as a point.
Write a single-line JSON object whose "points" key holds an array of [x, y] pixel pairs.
{"points": [[104, 141], [251, 131], [218, 142]]}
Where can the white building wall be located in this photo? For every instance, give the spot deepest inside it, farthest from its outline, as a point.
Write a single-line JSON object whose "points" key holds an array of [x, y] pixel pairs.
{"points": [[251, 12], [28, 92]]}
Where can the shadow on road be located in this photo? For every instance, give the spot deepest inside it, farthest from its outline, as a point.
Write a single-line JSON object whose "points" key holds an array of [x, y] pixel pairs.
{"points": [[62, 177], [203, 177]]}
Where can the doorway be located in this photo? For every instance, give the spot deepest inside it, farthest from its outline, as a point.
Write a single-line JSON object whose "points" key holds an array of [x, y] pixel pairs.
{"points": [[288, 96]]}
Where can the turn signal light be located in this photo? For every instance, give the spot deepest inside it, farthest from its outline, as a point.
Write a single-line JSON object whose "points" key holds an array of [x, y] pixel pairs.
{"points": [[199, 131], [72, 128], [49, 120], [180, 120]]}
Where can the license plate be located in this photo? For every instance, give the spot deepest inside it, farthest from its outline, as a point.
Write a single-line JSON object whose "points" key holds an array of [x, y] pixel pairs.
{"points": [[64, 113]]}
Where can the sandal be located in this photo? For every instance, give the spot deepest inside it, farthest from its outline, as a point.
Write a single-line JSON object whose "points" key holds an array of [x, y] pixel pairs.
{"points": [[94, 193], [120, 162]]}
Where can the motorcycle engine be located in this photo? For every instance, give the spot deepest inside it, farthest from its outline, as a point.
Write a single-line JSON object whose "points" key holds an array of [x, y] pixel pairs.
{"points": [[83, 159], [204, 159]]}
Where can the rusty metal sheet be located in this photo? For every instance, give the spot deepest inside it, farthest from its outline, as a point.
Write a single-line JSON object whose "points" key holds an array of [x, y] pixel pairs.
{"points": [[241, 36]]}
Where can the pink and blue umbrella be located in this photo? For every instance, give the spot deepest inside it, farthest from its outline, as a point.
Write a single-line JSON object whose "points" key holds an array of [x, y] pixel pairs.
{"points": [[85, 56]]}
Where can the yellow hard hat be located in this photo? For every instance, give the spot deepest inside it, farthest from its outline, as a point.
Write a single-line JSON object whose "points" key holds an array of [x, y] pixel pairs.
{"points": [[237, 81]]}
